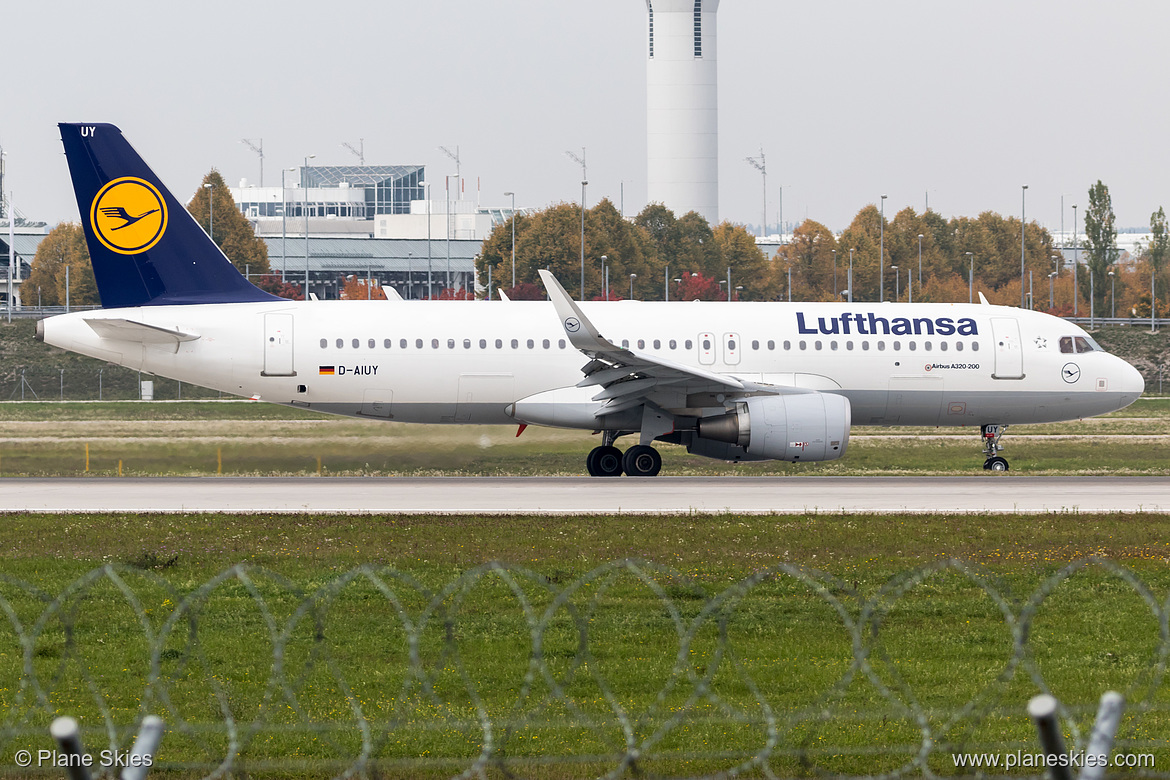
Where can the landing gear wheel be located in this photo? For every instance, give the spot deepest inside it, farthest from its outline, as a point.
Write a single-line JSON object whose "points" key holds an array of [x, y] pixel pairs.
{"points": [[642, 461], [996, 464], [604, 462]]}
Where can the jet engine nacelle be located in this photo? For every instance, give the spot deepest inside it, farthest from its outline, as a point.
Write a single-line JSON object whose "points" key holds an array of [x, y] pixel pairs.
{"points": [[804, 426]]}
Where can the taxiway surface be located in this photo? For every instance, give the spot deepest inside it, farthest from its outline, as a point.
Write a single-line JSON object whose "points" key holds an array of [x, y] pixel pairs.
{"points": [[584, 495]]}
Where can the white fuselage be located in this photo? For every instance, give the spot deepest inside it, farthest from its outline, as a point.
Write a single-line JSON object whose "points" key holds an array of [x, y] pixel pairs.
{"points": [[468, 362]]}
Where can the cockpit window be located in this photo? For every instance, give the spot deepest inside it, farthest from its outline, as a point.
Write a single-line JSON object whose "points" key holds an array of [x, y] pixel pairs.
{"points": [[1066, 345], [1086, 344]]}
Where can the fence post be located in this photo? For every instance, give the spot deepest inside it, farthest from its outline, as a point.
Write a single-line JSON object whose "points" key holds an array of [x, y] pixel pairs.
{"points": [[1042, 710], [1101, 739], [64, 730], [61, 371], [145, 747], [100, 370]]}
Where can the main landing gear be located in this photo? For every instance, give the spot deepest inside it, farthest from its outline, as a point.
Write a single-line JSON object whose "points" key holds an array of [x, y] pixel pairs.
{"points": [[991, 447], [608, 461]]}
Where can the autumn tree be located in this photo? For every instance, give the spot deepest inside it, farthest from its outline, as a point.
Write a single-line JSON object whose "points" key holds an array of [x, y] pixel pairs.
{"points": [[1157, 252], [356, 288], [63, 247], [749, 266], [810, 256], [1101, 243], [230, 229]]}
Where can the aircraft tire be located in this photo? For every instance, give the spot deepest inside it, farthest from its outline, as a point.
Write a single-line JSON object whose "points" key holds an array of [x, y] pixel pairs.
{"points": [[996, 464], [604, 462], [642, 461]]}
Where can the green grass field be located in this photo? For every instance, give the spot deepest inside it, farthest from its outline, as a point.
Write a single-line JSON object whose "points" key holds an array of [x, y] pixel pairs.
{"points": [[247, 438], [801, 640]]}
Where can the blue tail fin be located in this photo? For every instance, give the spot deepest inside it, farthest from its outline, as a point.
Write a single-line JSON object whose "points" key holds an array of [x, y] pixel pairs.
{"points": [[145, 248]]}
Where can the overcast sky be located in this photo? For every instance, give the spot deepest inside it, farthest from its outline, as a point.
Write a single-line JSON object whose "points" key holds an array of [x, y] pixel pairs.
{"points": [[849, 100]]}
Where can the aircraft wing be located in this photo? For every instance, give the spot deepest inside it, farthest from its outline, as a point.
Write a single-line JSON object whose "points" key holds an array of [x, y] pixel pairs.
{"points": [[138, 332], [630, 378]]}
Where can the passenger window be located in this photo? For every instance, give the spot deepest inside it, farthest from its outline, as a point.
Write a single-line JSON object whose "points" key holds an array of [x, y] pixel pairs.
{"points": [[434, 343], [340, 343], [657, 344], [467, 343], [641, 343], [926, 345], [818, 346], [687, 344], [958, 346], [402, 343], [483, 343], [942, 345], [531, 344], [1066, 345], [673, 344], [561, 343], [545, 344], [731, 344], [418, 343], [849, 345], [371, 343], [625, 343], [833, 345], [865, 346], [974, 346], [324, 343], [755, 344], [515, 343], [913, 346], [387, 343], [771, 345], [787, 345], [499, 343], [804, 345], [881, 346], [706, 345], [356, 343], [450, 343]]}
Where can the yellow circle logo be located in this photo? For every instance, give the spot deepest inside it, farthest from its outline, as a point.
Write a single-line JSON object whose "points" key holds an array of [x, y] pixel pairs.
{"points": [[128, 215]]}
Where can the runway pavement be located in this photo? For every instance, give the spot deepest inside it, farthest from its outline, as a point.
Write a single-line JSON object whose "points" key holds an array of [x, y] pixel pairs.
{"points": [[583, 495]]}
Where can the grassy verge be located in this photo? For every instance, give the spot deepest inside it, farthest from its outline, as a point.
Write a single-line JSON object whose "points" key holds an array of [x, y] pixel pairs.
{"points": [[742, 630]]}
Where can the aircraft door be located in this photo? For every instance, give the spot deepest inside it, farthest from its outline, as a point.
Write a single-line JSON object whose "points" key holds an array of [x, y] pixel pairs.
{"points": [[731, 347], [278, 345], [706, 344], [1009, 351]]}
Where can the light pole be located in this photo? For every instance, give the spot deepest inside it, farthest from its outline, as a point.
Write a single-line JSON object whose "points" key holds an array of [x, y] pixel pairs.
{"points": [[834, 270], [1112, 295], [632, 278], [897, 283], [851, 250], [305, 191], [1092, 300], [666, 284], [447, 184], [1075, 258], [920, 259], [1051, 278], [584, 184], [971, 278], [790, 284], [410, 277], [283, 222], [427, 187], [1023, 232], [512, 195], [882, 255], [210, 211], [605, 277]]}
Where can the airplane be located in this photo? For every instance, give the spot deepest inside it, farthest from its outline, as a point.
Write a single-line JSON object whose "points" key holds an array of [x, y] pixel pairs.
{"points": [[734, 381]]}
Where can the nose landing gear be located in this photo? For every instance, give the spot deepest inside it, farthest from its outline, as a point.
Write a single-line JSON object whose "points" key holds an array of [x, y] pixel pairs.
{"points": [[991, 447]]}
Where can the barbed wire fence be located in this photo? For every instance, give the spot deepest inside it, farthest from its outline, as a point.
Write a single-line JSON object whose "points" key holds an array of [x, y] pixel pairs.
{"points": [[504, 672]]}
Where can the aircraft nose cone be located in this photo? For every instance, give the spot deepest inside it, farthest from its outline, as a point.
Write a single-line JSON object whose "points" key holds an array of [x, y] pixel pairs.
{"points": [[1130, 381]]}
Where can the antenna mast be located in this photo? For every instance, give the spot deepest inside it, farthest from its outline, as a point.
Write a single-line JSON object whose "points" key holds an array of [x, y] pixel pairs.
{"points": [[258, 148], [360, 151], [761, 165], [454, 156], [580, 161]]}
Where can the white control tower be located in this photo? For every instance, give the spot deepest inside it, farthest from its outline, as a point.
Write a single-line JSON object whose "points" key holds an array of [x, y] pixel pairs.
{"points": [[682, 110]]}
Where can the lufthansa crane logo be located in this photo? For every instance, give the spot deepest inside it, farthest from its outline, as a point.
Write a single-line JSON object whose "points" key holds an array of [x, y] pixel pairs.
{"points": [[572, 324], [128, 215]]}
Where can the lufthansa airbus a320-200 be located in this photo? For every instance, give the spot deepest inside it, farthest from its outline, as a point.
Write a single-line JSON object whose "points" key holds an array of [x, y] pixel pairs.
{"points": [[734, 381]]}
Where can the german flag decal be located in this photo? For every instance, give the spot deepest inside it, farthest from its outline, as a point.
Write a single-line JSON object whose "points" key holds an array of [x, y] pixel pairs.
{"points": [[327, 371]]}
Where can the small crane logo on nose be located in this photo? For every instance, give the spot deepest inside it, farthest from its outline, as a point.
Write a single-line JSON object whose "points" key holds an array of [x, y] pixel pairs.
{"points": [[1071, 372]]}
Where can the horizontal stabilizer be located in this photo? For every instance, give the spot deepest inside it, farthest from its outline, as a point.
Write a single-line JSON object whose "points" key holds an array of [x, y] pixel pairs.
{"points": [[137, 332]]}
